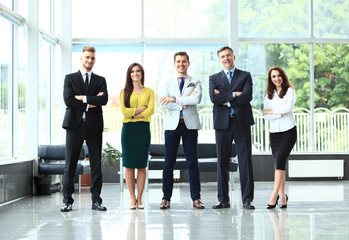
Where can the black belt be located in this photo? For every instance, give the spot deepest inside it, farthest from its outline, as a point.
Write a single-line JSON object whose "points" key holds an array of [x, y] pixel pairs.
{"points": [[232, 116]]}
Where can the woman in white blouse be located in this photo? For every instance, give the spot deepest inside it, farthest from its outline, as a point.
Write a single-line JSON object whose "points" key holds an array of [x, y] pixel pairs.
{"points": [[278, 108]]}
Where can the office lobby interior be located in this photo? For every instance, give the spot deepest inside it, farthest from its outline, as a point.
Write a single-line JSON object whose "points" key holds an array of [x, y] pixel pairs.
{"points": [[41, 42]]}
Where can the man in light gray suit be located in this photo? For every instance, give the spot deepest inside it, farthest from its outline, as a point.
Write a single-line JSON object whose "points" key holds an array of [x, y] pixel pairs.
{"points": [[181, 95]]}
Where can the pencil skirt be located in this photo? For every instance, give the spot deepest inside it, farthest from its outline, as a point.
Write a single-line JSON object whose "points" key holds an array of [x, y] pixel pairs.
{"points": [[281, 144], [135, 142]]}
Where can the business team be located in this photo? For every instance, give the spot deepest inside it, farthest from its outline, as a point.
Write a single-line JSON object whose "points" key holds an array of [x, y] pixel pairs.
{"points": [[230, 91]]}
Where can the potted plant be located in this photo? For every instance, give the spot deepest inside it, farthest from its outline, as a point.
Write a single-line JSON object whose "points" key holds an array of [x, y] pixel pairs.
{"points": [[110, 156]]}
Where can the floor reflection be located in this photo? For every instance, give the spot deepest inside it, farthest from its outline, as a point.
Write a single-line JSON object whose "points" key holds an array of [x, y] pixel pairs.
{"points": [[326, 217]]}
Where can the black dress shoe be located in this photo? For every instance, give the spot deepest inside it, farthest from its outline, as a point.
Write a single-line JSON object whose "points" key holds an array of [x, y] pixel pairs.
{"points": [[67, 207], [98, 206], [248, 205], [274, 205], [221, 205]]}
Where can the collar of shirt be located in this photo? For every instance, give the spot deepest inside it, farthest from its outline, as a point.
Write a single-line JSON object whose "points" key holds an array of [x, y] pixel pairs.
{"points": [[226, 71], [83, 74], [184, 78]]}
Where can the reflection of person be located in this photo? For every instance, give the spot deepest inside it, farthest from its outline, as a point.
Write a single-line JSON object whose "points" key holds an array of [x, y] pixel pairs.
{"points": [[137, 106], [278, 224], [278, 108], [136, 229], [180, 97], [83, 120], [231, 93]]}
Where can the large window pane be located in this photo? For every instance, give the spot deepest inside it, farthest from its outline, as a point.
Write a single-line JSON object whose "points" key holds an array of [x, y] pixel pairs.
{"points": [[44, 15], [44, 90], [331, 18], [106, 18], [22, 75], [186, 19], [23, 8], [294, 59], [113, 67], [273, 18], [331, 97], [5, 86]]}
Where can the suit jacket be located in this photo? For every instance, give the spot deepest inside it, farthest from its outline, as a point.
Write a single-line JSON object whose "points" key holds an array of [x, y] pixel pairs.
{"points": [[190, 113], [74, 85], [241, 82]]}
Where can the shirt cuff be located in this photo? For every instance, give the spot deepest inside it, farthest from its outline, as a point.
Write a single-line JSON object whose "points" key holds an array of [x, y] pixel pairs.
{"points": [[234, 95], [87, 106], [228, 104], [84, 99]]}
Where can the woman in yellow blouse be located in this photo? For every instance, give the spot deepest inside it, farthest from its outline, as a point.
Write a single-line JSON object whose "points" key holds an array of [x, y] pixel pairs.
{"points": [[137, 106]]}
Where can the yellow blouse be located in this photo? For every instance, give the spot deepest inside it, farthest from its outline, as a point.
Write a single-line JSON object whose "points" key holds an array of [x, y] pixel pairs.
{"points": [[146, 98]]}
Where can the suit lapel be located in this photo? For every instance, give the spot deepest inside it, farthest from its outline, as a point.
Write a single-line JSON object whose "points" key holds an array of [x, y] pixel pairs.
{"points": [[235, 76]]}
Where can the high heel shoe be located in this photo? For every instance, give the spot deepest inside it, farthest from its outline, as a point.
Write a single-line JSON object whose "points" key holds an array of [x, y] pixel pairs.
{"points": [[139, 206], [284, 206], [133, 207], [274, 205]]}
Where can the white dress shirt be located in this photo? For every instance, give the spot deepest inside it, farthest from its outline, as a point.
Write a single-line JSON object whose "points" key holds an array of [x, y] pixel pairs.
{"points": [[279, 123]]}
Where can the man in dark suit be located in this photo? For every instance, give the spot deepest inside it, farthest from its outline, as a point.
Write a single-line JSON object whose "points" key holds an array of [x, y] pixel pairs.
{"points": [[84, 95], [231, 93]]}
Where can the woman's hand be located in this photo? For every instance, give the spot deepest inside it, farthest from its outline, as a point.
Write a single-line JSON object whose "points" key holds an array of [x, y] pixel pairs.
{"points": [[267, 111]]}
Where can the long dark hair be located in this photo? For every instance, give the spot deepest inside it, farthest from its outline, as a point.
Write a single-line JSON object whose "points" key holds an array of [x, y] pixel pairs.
{"points": [[129, 85], [284, 86]]}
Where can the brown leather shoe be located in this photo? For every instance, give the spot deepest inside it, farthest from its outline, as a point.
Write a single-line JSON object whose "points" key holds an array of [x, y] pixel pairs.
{"points": [[198, 204], [165, 204]]}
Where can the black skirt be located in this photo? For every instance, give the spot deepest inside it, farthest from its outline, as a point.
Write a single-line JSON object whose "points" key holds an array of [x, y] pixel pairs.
{"points": [[135, 142], [281, 144]]}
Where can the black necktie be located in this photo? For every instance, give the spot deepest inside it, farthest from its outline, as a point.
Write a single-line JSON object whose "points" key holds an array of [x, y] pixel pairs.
{"points": [[86, 80]]}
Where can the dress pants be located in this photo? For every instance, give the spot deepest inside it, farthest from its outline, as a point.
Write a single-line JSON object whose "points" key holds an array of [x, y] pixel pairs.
{"points": [[241, 134], [172, 140], [74, 141]]}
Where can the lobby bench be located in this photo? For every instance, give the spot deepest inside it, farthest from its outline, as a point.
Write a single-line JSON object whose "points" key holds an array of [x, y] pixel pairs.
{"points": [[207, 157], [52, 161]]}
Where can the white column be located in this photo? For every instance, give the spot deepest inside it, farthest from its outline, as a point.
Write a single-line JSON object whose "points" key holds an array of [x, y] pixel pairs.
{"points": [[33, 76], [66, 40]]}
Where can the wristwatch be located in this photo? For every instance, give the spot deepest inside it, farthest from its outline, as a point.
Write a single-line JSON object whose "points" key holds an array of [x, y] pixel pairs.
{"points": [[174, 99]]}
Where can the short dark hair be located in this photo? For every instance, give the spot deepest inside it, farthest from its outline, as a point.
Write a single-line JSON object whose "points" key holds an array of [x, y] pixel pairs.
{"points": [[180, 54], [89, 49], [223, 49]]}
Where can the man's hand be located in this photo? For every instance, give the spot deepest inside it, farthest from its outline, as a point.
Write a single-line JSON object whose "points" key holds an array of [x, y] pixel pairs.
{"points": [[91, 106], [165, 100], [79, 97], [237, 94], [216, 91], [100, 94]]}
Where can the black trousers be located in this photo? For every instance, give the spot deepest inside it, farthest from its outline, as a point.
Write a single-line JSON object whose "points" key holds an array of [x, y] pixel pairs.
{"points": [[241, 134], [74, 142]]}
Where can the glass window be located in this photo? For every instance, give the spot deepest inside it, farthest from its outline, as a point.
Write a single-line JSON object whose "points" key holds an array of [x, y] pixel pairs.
{"points": [[331, 97], [44, 90], [23, 8], [106, 18], [7, 3], [273, 19], [331, 18], [44, 15], [22, 75], [294, 59], [186, 19], [5, 86]]}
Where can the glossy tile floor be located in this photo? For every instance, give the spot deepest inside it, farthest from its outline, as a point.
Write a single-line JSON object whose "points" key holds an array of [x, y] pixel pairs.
{"points": [[316, 210]]}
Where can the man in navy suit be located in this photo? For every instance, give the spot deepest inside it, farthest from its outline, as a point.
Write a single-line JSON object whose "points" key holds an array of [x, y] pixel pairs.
{"points": [[84, 95], [231, 94], [181, 95]]}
